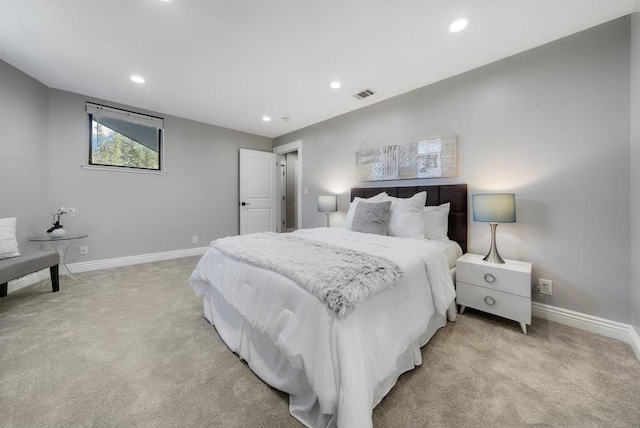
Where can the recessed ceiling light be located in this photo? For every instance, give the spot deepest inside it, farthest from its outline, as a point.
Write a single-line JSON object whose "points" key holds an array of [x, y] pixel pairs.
{"points": [[266, 118], [459, 25], [137, 79], [335, 84]]}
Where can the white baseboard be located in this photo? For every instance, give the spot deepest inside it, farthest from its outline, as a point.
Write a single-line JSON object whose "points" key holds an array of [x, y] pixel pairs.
{"points": [[635, 341], [134, 260], [106, 264], [590, 323]]}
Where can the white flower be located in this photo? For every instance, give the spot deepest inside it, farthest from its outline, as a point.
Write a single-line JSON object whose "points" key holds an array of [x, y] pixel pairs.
{"points": [[70, 210]]}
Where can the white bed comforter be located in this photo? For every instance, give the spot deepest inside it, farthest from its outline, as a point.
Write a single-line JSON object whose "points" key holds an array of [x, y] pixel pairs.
{"points": [[344, 360]]}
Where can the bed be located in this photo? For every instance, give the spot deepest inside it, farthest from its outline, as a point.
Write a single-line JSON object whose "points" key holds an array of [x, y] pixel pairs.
{"points": [[336, 367]]}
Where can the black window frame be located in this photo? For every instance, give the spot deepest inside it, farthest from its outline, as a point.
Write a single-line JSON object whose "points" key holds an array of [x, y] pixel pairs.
{"points": [[126, 113]]}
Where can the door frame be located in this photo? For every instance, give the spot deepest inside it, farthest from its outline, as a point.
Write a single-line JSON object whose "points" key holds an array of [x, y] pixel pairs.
{"points": [[295, 146]]}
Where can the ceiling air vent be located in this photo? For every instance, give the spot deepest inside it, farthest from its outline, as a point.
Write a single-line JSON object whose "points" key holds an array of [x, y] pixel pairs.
{"points": [[364, 94]]}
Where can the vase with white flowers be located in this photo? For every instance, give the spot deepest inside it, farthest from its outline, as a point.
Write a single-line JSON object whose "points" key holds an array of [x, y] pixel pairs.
{"points": [[57, 231]]}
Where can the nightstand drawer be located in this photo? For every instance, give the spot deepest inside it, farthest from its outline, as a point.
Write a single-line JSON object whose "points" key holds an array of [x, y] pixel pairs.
{"points": [[506, 305], [495, 278]]}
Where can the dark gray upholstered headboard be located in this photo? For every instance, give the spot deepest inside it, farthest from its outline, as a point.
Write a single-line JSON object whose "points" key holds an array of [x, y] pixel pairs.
{"points": [[456, 194]]}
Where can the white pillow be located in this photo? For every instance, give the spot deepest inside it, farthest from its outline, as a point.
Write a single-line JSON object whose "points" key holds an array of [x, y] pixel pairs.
{"points": [[8, 242], [407, 220], [436, 222], [348, 221]]}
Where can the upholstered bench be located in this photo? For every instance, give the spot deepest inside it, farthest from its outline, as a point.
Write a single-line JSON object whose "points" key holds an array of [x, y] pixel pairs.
{"points": [[17, 267]]}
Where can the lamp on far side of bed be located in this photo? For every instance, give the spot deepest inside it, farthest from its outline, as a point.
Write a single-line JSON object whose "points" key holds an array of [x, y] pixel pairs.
{"points": [[493, 209], [327, 204]]}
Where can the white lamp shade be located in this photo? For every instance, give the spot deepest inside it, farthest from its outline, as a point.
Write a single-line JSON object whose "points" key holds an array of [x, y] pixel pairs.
{"points": [[327, 203], [494, 208]]}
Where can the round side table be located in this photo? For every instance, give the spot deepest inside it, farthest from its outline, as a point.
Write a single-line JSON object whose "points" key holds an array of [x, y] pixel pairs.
{"points": [[61, 245]]}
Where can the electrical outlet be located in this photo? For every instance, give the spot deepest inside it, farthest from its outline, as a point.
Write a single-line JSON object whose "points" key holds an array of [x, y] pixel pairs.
{"points": [[195, 240], [84, 250], [545, 286]]}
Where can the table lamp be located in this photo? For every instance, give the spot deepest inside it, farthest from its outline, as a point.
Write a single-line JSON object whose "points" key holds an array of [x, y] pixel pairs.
{"points": [[493, 209], [327, 204]]}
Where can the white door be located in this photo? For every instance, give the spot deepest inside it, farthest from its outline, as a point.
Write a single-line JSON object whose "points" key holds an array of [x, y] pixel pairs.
{"points": [[257, 191]]}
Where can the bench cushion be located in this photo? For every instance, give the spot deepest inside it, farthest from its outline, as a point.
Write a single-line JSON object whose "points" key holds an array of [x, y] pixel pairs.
{"points": [[25, 264]]}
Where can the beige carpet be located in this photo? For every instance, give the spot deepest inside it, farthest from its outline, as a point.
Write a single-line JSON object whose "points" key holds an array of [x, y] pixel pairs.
{"points": [[129, 347]]}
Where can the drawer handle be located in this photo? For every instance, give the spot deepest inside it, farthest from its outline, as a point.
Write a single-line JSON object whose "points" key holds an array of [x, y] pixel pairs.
{"points": [[489, 278], [490, 300]]}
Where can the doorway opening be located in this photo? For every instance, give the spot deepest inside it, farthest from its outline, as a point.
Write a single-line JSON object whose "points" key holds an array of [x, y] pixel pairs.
{"points": [[289, 186], [289, 189]]}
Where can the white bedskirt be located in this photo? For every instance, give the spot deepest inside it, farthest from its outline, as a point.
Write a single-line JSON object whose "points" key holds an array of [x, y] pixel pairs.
{"points": [[272, 366]]}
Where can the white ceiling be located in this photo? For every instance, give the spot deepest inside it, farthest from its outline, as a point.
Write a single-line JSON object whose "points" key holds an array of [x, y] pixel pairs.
{"points": [[230, 62]]}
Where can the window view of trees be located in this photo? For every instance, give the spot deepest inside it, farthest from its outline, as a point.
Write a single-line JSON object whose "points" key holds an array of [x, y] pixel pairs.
{"points": [[112, 148]]}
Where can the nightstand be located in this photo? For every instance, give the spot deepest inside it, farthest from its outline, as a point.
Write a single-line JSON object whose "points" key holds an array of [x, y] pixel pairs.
{"points": [[499, 289]]}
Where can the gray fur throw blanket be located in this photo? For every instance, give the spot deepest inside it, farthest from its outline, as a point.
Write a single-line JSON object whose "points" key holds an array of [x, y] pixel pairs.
{"points": [[339, 277]]}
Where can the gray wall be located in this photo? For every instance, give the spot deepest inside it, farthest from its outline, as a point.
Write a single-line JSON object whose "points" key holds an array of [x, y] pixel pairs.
{"points": [[551, 125], [635, 169], [24, 153], [128, 214]]}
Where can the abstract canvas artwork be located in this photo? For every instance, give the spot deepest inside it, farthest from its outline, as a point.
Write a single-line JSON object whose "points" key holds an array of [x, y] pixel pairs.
{"points": [[433, 158]]}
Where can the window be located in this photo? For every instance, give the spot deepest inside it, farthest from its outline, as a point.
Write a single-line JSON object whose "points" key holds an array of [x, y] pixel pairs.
{"points": [[120, 138]]}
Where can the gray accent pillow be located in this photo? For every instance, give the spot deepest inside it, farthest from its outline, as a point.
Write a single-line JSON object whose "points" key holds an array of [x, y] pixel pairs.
{"points": [[372, 217]]}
